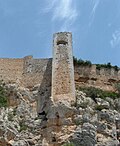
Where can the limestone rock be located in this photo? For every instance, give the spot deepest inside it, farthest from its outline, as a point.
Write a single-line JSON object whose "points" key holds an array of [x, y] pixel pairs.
{"points": [[60, 122], [85, 135]]}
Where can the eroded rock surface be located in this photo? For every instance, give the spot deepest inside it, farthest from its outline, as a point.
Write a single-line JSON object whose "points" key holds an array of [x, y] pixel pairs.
{"points": [[82, 123]]}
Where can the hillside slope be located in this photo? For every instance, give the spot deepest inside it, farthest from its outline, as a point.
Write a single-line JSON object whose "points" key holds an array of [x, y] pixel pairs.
{"points": [[88, 122]]}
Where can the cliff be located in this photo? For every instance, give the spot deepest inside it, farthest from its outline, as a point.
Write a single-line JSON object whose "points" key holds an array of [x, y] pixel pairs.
{"points": [[85, 123], [39, 104]]}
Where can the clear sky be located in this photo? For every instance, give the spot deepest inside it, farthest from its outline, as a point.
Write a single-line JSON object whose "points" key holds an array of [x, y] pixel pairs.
{"points": [[27, 27]]}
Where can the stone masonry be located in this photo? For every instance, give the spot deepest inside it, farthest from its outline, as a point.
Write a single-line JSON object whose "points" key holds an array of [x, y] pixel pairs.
{"points": [[62, 68], [28, 71]]}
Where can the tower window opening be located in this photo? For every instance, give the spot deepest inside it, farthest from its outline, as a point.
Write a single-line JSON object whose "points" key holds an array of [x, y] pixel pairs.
{"points": [[62, 42]]}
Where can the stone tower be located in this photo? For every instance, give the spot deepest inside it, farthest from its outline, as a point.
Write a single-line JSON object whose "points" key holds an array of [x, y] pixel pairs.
{"points": [[63, 86]]}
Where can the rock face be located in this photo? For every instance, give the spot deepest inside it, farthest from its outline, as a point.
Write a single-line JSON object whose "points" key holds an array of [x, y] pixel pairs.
{"points": [[19, 123], [85, 135], [80, 124]]}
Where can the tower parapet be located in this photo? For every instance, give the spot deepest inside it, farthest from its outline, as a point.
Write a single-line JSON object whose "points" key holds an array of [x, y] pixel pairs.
{"points": [[63, 85]]}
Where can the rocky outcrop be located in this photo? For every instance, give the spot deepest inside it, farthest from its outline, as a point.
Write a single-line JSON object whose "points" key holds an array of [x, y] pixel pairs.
{"points": [[84, 123], [96, 126], [19, 123], [87, 123]]}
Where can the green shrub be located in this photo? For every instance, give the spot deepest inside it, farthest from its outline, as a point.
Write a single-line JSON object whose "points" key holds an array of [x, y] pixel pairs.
{"points": [[68, 144], [78, 122], [83, 104], [98, 66], [100, 107], [23, 126], [113, 95], [81, 62], [98, 93], [116, 68], [107, 66], [3, 98], [10, 117]]}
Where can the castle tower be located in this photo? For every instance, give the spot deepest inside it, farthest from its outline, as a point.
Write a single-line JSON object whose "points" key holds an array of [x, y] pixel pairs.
{"points": [[63, 86]]}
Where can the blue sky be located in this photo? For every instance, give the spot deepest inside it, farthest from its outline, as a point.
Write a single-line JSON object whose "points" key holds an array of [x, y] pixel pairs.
{"points": [[27, 27]]}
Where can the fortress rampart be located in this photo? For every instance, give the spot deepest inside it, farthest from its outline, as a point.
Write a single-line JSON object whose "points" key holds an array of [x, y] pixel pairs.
{"points": [[29, 72], [100, 78], [11, 69], [58, 72]]}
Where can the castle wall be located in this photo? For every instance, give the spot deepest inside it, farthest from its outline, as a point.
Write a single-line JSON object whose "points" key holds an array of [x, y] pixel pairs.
{"points": [[38, 72], [62, 68], [11, 69], [29, 72], [90, 76], [35, 71]]}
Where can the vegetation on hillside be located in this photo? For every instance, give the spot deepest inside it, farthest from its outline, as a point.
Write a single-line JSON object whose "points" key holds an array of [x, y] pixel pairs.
{"points": [[107, 66], [81, 62], [98, 66], [98, 93], [3, 98], [68, 144]]}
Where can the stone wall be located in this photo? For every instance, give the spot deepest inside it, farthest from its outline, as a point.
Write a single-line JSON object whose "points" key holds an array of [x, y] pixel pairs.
{"points": [[11, 69], [29, 72], [36, 71], [62, 68], [90, 76]]}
